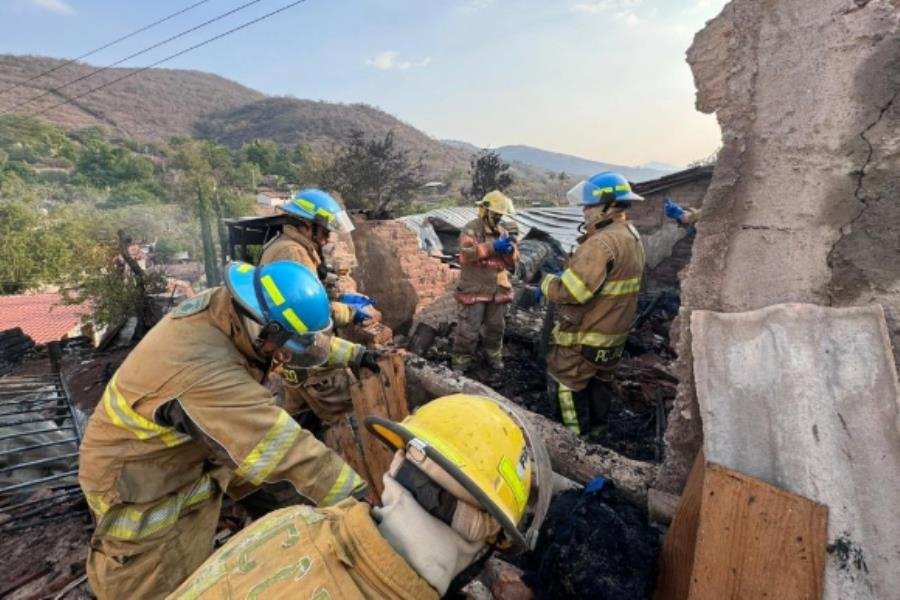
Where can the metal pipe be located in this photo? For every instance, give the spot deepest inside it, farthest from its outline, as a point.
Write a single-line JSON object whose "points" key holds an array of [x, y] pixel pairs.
{"points": [[20, 400], [25, 448], [40, 461], [51, 502], [26, 389], [36, 482], [50, 406], [47, 520], [26, 433], [65, 492], [29, 421], [79, 424]]}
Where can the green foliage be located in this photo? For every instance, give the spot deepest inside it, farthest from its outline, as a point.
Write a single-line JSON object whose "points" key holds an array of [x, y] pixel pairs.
{"points": [[374, 173], [488, 173], [165, 249], [102, 165]]}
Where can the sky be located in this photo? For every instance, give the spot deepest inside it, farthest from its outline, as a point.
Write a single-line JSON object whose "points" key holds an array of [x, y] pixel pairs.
{"points": [[601, 79]]}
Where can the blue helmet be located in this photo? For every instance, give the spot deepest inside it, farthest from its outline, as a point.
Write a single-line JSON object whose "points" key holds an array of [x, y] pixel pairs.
{"points": [[285, 297], [602, 188], [319, 207]]}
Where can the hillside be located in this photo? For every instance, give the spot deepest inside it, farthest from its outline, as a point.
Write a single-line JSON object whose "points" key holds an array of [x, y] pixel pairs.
{"points": [[322, 124], [160, 103], [573, 165]]}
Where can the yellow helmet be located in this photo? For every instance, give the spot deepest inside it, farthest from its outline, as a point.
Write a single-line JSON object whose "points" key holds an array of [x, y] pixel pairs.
{"points": [[498, 202], [486, 448]]}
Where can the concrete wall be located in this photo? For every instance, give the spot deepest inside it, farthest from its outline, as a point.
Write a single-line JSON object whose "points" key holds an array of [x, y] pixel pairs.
{"points": [[803, 206]]}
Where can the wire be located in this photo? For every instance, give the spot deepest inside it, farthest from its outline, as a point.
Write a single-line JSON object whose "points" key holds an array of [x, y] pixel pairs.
{"points": [[171, 56], [103, 47], [129, 57]]}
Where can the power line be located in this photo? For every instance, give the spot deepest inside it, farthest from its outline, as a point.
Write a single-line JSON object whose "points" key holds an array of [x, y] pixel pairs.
{"points": [[171, 56], [127, 58], [103, 47]]}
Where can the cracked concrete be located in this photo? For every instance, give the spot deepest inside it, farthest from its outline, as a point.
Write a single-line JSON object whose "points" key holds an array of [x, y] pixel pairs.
{"points": [[803, 205]]}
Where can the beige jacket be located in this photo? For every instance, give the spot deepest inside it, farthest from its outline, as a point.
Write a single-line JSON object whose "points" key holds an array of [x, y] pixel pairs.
{"points": [[596, 296], [186, 399], [301, 552], [483, 277]]}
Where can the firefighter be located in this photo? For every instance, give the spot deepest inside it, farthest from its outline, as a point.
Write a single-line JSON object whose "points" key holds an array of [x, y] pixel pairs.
{"points": [[315, 215], [595, 299], [186, 417], [466, 476], [486, 251]]}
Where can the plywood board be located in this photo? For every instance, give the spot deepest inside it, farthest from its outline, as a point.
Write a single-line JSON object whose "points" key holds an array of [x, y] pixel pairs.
{"points": [[756, 541], [676, 561]]}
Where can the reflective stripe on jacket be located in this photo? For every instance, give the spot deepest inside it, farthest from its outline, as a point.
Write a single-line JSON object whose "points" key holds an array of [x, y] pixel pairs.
{"points": [[596, 295], [301, 552], [483, 277], [140, 470]]}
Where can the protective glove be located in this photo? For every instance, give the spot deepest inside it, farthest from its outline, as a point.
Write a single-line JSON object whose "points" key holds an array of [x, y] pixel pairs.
{"points": [[672, 210], [503, 245], [537, 294], [369, 360], [360, 303]]}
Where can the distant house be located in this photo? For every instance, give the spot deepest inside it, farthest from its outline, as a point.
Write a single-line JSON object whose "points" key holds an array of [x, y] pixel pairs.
{"points": [[272, 198], [44, 317], [435, 187]]}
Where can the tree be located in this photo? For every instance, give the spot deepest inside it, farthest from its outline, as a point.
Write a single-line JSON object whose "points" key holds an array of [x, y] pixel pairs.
{"points": [[209, 182], [372, 174], [488, 173]]}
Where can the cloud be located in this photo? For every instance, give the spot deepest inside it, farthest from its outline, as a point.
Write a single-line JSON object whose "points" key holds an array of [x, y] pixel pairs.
{"points": [[388, 60], [476, 5], [599, 6], [59, 7]]}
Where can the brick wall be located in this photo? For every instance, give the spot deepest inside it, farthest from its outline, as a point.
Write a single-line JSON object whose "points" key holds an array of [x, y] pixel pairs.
{"points": [[392, 269]]}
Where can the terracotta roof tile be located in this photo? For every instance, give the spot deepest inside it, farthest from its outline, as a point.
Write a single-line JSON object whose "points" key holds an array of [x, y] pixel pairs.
{"points": [[42, 316]]}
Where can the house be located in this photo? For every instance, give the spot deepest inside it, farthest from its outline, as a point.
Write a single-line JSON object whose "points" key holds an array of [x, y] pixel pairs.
{"points": [[44, 317], [273, 198]]}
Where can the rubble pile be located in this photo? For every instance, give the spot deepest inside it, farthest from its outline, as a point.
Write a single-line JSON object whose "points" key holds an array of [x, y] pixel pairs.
{"points": [[593, 545]]}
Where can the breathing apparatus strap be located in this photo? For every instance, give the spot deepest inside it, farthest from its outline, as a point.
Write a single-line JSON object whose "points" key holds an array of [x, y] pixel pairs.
{"points": [[437, 501]]}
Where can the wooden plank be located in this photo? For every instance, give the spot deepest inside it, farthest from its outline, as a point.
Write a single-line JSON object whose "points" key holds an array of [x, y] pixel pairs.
{"points": [[676, 561], [342, 438], [393, 368], [369, 398], [756, 541]]}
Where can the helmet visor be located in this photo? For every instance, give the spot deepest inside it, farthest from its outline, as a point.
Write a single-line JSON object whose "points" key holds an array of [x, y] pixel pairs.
{"points": [[341, 223], [575, 196], [309, 349]]}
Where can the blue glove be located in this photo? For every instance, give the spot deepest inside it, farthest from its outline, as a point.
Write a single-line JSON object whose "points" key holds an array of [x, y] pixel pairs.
{"points": [[538, 294], [358, 302], [672, 210], [503, 245], [595, 485]]}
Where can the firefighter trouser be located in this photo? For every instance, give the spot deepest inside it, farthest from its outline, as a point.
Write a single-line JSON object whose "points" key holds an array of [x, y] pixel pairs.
{"points": [[154, 566], [581, 388], [584, 410], [485, 318]]}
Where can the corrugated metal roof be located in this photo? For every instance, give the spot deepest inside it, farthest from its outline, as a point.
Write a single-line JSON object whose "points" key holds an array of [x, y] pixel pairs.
{"points": [[560, 222]]}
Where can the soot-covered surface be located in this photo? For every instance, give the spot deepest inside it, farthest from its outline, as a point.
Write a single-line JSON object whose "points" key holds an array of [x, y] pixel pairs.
{"points": [[593, 546], [645, 390]]}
